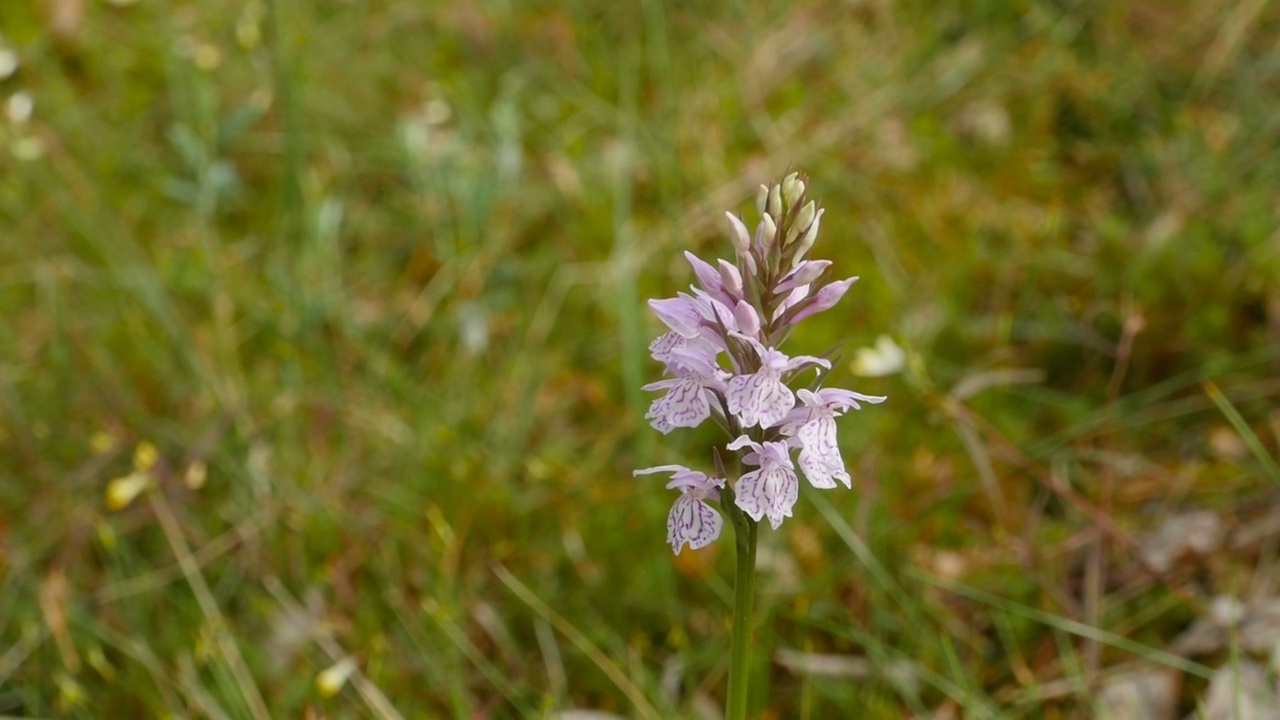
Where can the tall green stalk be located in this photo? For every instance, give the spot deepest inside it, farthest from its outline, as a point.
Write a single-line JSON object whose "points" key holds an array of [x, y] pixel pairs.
{"points": [[745, 534]]}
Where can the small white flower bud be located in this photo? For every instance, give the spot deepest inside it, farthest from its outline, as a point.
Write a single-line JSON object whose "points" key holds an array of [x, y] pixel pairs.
{"points": [[807, 241], [741, 241], [766, 234], [807, 214], [731, 278], [792, 189], [801, 222], [805, 272], [789, 184], [825, 299], [762, 199], [738, 235], [747, 318], [775, 201]]}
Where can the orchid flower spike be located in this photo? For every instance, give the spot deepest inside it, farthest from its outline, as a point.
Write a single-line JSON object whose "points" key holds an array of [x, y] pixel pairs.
{"points": [[723, 361]]}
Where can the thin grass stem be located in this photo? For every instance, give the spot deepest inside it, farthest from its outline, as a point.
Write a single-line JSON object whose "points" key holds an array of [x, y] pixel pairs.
{"points": [[209, 607], [1246, 433]]}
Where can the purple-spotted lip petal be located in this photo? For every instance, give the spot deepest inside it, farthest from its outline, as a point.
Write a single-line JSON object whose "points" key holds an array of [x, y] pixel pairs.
{"points": [[693, 523], [768, 492]]}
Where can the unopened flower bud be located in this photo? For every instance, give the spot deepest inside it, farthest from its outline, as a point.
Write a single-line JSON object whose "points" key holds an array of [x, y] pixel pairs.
{"points": [[806, 242], [748, 319], [741, 241], [792, 190], [766, 233], [801, 222], [775, 201], [738, 234], [708, 277], [825, 299], [806, 272], [762, 199], [731, 278]]}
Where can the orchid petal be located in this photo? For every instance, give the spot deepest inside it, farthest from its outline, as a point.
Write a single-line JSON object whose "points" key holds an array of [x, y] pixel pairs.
{"points": [[804, 273], [800, 361], [685, 405], [759, 399], [770, 491], [796, 296], [709, 278], [820, 454], [661, 348], [841, 399], [660, 469], [679, 313], [748, 319], [825, 299], [741, 240], [692, 521], [731, 278]]}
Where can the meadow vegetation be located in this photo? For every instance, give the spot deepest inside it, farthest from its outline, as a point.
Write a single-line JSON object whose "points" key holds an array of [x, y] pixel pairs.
{"points": [[354, 293]]}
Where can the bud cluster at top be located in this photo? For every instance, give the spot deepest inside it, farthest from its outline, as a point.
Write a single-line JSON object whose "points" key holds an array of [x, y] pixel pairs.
{"points": [[722, 361]]}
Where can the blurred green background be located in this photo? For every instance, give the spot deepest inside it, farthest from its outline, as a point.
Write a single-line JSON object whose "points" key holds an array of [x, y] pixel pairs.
{"points": [[369, 278]]}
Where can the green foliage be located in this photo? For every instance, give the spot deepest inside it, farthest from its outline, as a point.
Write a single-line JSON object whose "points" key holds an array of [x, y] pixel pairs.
{"points": [[380, 268]]}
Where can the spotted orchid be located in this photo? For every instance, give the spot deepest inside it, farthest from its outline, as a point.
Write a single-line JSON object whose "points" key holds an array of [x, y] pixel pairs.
{"points": [[723, 362], [691, 520], [812, 426], [772, 488]]}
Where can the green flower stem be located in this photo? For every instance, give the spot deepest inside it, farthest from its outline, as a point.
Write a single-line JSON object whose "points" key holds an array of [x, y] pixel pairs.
{"points": [[745, 534]]}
